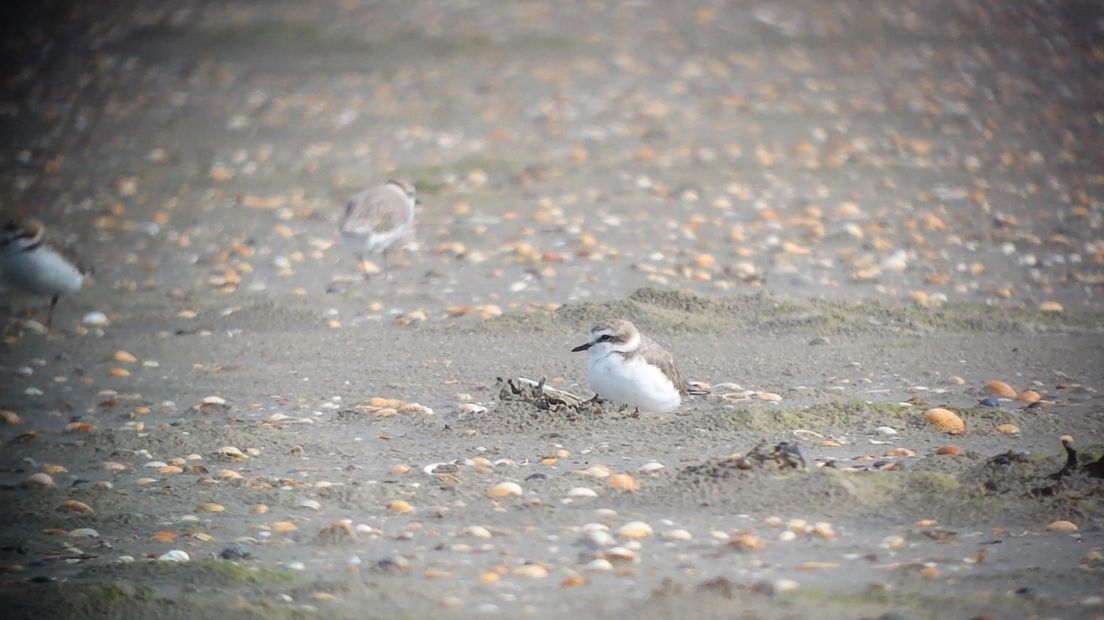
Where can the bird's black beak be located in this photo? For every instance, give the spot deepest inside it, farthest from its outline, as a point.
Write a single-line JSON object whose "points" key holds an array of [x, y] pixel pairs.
{"points": [[582, 347]]}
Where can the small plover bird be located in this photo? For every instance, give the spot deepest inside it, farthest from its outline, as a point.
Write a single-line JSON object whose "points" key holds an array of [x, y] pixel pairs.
{"points": [[378, 217], [629, 368], [30, 265]]}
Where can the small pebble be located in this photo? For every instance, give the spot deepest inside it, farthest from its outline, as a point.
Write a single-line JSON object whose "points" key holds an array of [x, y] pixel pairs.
{"points": [[573, 581], [95, 319], [599, 565], [1061, 526], [813, 565], [394, 563], [597, 538], [704, 261], [230, 453], [747, 541], [235, 551], [531, 571], [621, 554], [477, 531], [1000, 389], [175, 555], [1028, 396], [623, 482], [635, 530], [400, 506], [310, 504], [785, 585], [38, 481], [505, 489], [470, 409], [823, 529], [84, 532], [72, 505], [595, 471], [124, 357], [945, 420]]}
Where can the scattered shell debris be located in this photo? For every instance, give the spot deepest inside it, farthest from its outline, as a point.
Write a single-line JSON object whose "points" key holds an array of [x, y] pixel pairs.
{"points": [[891, 288]]}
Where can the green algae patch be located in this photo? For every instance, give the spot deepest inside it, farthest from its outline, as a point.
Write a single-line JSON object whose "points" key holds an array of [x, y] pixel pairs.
{"points": [[233, 573], [991, 416], [869, 489], [198, 573], [929, 482], [432, 179], [848, 412], [821, 418], [118, 599], [670, 310], [1001, 489], [117, 592]]}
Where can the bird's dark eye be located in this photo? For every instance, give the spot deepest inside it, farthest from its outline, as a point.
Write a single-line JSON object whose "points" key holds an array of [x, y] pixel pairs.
{"points": [[605, 338]]}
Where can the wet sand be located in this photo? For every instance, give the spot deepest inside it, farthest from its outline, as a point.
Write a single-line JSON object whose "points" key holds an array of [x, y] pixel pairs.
{"points": [[839, 215]]}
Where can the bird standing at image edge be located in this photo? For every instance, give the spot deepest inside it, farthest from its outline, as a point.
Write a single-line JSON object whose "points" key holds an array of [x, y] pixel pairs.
{"points": [[31, 265]]}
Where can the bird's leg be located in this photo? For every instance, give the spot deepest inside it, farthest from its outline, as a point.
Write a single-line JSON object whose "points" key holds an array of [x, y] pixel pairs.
{"points": [[364, 266], [386, 267], [50, 314]]}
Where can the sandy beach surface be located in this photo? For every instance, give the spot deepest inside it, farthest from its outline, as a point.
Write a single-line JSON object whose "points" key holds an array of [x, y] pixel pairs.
{"points": [[838, 215]]}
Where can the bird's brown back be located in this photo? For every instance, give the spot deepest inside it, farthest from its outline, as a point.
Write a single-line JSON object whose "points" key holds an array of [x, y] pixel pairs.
{"points": [[381, 208]]}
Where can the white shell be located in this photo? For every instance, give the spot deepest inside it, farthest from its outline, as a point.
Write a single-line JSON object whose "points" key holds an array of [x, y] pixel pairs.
{"points": [[175, 555]]}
